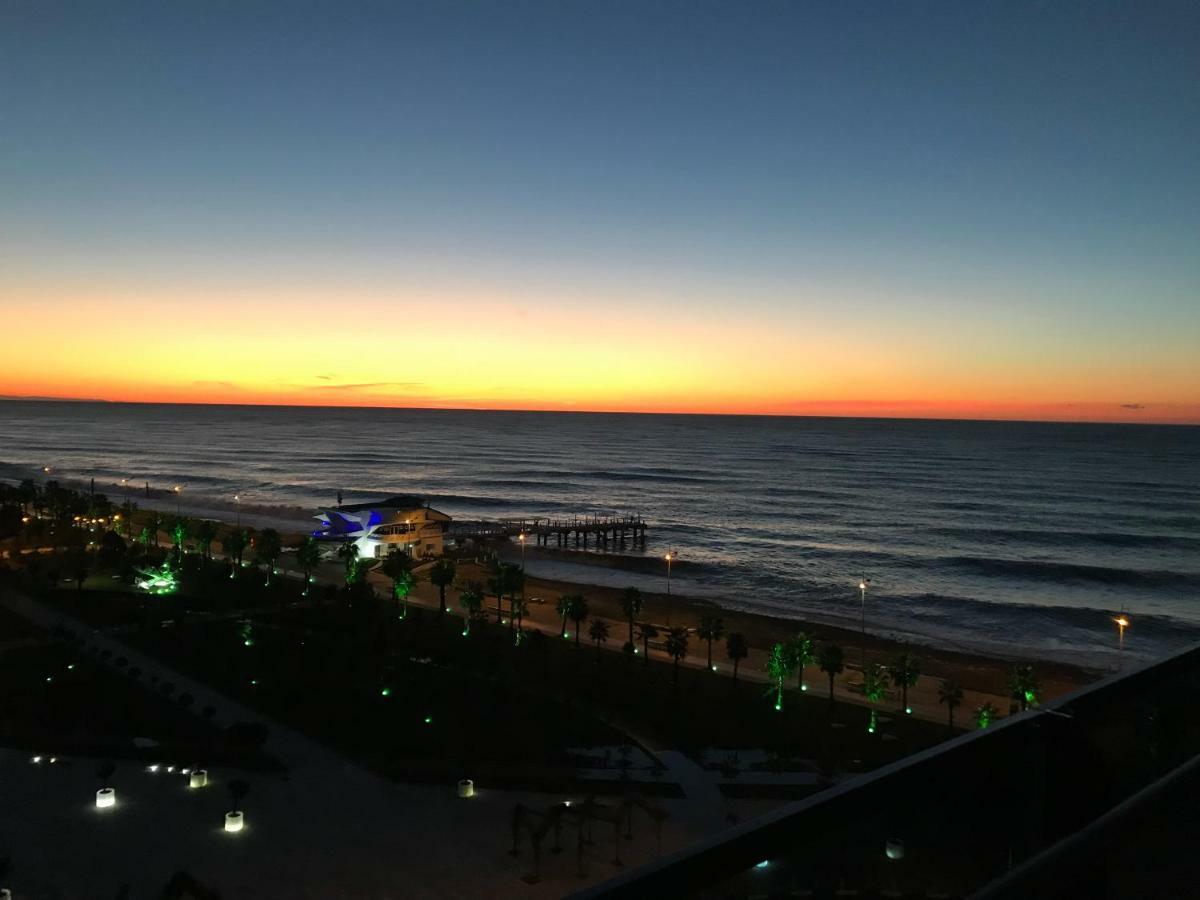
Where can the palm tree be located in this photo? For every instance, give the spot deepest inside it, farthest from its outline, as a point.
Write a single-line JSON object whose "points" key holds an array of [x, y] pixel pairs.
{"points": [[518, 606], [951, 694], [985, 715], [874, 689], [267, 549], [598, 632], [127, 510], [646, 633], [349, 553], [736, 650], [506, 579], [905, 671], [800, 652], [779, 668], [179, 533], [471, 600], [308, 557], [712, 628], [398, 566], [1025, 687], [677, 647], [579, 612], [631, 606], [563, 608], [442, 575], [235, 545], [832, 661], [206, 533]]}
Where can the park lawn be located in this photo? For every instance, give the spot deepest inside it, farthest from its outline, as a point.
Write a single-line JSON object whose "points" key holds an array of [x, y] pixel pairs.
{"points": [[55, 699]]}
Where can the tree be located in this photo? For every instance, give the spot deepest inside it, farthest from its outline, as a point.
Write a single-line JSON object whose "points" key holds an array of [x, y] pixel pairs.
{"points": [[398, 566], [127, 510], [238, 789], [905, 670], [563, 608], [677, 647], [800, 654], [598, 632], [646, 633], [779, 667], [832, 661], [179, 534], [111, 554], [874, 689], [518, 607], [348, 553], [736, 650], [985, 715], [631, 605], [206, 533], [442, 576], [267, 549], [578, 613], [308, 557], [471, 600], [951, 694], [505, 579], [712, 628], [235, 546], [1025, 687]]}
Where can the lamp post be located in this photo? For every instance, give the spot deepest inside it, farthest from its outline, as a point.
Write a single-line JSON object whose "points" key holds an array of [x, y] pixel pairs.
{"points": [[1122, 623], [521, 538], [670, 556], [862, 589], [177, 501], [237, 505]]}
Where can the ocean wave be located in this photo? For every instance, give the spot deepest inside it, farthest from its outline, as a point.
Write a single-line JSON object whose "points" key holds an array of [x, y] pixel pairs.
{"points": [[1043, 570]]}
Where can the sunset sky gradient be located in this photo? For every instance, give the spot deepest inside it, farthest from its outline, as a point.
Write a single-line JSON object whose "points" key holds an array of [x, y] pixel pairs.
{"points": [[948, 210]]}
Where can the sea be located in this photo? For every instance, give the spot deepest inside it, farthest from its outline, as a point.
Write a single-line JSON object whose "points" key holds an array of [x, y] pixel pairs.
{"points": [[1021, 539]]}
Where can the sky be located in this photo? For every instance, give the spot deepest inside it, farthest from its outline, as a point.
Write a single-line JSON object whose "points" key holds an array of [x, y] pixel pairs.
{"points": [[980, 210]]}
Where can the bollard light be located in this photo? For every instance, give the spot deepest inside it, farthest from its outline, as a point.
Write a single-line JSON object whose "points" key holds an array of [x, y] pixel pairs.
{"points": [[466, 788], [198, 778], [106, 797], [233, 821]]}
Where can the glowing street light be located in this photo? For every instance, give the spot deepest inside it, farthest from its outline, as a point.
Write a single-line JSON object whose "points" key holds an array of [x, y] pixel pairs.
{"points": [[237, 503], [1122, 622], [177, 490], [669, 557], [863, 584]]}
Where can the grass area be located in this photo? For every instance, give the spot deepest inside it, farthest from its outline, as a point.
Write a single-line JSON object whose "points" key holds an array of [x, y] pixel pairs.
{"points": [[54, 699], [415, 698]]}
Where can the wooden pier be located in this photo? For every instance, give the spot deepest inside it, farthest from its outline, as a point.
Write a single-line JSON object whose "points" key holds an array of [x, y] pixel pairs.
{"points": [[601, 531]]}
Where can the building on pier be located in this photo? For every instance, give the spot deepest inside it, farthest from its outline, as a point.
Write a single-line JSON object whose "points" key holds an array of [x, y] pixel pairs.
{"points": [[403, 523]]}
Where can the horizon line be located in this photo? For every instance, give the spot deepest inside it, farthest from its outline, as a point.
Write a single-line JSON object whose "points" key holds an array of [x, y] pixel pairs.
{"points": [[596, 412]]}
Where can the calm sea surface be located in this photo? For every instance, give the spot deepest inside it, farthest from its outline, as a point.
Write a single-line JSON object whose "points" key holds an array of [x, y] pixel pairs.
{"points": [[1012, 537]]}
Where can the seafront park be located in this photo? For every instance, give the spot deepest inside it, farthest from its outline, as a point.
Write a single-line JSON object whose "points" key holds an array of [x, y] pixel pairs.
{"points": [[499, 732]]}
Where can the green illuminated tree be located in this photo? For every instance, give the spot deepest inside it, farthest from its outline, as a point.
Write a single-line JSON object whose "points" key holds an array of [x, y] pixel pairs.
{"points": [[779, 667], [951, 694], [578, 613], [985, 715], [398, 566], [800, 654], [736, 650], [712, 628], [471, 600], [598, 632], [308, 557], [874, 689], [905, 671], [646, 633], [267, 550], [348, 553], [442, 575], [677, 648], [832, 661], [631, 605], [179, 534], [1025, 687]]}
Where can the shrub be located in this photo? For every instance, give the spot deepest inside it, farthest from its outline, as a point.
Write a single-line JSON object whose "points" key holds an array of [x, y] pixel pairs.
{"points": [[208, 712], [135, 672], [186, 700], [121, 662], [167, 688]]}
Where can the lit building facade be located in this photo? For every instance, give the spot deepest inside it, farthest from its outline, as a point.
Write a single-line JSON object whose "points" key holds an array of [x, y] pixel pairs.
{"points": [[400, 523]]}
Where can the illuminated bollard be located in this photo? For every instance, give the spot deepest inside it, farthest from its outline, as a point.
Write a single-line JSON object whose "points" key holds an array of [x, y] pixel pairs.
{"points": [[106, 797], [466, 788], [894, 848], [233, 821], [198, 778]]}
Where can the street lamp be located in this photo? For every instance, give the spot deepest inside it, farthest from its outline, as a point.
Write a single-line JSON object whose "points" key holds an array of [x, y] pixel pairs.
{"points": [[177, 501], [670, 556], [237, 502], [863, 584], [1122, 623]]}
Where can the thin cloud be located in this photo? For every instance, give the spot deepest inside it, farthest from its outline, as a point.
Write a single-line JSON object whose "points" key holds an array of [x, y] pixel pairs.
{"points": [[1133, 406], [227, 385], [373, 386]]}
